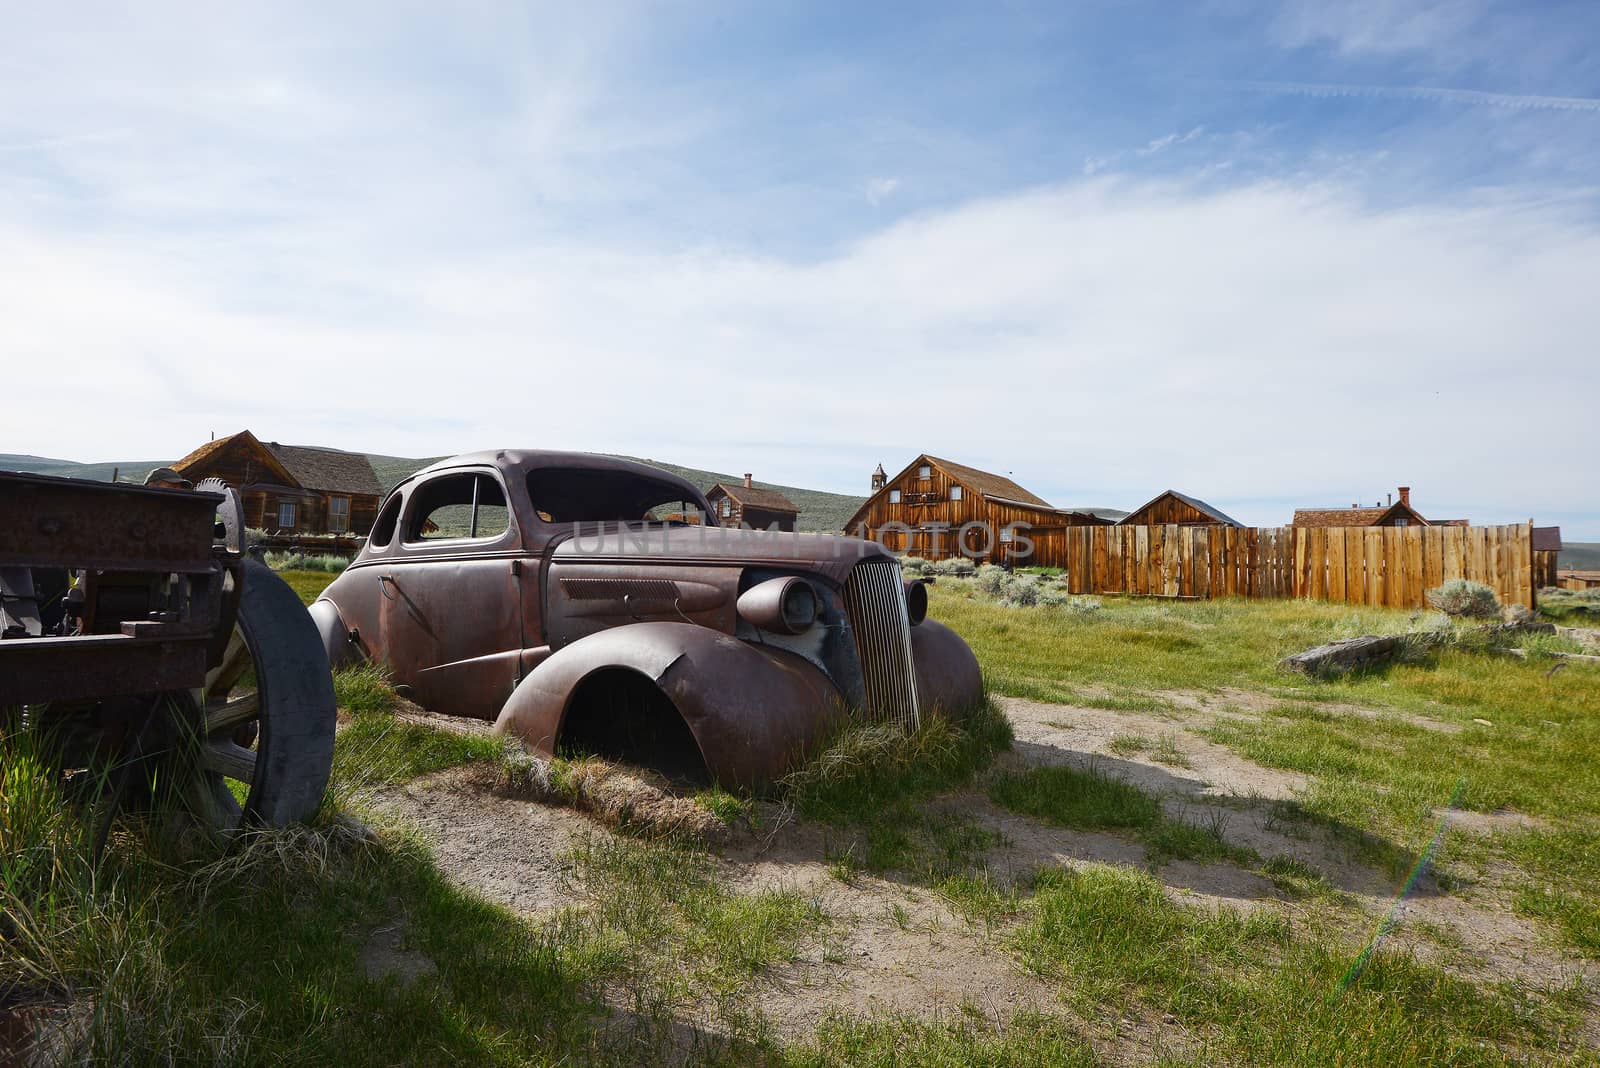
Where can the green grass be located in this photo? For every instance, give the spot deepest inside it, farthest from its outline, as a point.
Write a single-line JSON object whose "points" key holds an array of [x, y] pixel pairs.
{"points": [[1252, 989], [869, 779], [308, 585], [1377, 782], [1091, 800]]}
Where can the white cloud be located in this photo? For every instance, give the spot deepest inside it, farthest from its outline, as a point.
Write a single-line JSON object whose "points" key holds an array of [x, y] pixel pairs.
{"points": [[1436, 94], [1101, 339], [878, 189], [1381, 27]]}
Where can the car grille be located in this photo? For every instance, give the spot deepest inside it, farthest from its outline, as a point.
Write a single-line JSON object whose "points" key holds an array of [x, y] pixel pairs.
{"points": [[875, 597]]}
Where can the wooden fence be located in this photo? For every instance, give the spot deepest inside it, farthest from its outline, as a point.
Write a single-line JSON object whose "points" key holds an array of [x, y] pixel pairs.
{"points": [[1382, 566]]}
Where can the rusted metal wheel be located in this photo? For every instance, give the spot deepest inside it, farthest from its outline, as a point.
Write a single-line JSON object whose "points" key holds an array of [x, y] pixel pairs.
{"points": [[262, 727]]}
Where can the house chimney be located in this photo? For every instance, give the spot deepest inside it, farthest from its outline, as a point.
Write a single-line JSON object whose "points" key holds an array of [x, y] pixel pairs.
{"points": [[1391, 501], [1405, 496], [747, 480]]}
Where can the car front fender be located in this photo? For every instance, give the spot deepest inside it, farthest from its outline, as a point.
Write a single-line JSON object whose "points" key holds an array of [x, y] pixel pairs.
{"points": [[755, 712], [948, 677]]}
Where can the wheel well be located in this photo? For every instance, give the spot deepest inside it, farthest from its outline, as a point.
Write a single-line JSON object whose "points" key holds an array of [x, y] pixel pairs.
{"points": [[621, 715]]}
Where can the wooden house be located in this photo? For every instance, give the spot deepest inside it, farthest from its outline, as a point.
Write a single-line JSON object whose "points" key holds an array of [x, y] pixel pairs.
{"points": [[1394, 514], [1546, 550], [1579, 581], [751, 506], [1174, 507], [937, 508], [291, 489]]}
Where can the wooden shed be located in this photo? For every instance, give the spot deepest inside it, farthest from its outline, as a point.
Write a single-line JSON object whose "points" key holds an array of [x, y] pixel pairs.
{"points": [[1174, 507], [937, 508], [293, 489], [1546, 551], [751, 506]]}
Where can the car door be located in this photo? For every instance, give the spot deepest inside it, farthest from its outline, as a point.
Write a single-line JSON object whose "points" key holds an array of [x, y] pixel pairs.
{"points": [[452, 612]]}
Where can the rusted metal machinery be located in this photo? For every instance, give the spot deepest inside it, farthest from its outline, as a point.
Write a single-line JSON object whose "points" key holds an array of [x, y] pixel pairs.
{"points": [[153, 658]]}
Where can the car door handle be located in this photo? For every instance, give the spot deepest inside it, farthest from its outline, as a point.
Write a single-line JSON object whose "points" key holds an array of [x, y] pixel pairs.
{"points": [[384, 582]]}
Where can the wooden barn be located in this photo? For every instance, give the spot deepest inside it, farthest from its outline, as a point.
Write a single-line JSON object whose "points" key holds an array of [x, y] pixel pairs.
{"points": [[751, 506], [1546, 551], [294, 489], [1394, 514], [937, 508], [1174, 507]]}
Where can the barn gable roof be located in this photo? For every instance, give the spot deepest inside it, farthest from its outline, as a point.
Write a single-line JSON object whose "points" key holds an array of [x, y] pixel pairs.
{"points": [[755, 497], [194, 463], [986, 484], [1193, 502], [329, 470]]}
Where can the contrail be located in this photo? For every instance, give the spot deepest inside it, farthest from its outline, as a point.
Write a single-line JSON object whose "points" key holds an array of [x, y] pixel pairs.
{"points": [[1476, 97]]}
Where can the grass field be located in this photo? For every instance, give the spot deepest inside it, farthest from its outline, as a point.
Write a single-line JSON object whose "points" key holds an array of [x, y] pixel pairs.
{"points": [[359, 945]]}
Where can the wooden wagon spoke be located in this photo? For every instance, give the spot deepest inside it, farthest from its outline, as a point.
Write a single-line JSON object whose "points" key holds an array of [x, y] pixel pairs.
{"points": [[225, 715], [210, 802], [229, 759], [235, 661]]}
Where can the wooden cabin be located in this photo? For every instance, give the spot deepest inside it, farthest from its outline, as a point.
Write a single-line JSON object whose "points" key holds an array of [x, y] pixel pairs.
{"points": [[1546, 551], [291, 489], [751, 506], [1174, 507], [938, 508], [1394, 514], [1579, 581]]}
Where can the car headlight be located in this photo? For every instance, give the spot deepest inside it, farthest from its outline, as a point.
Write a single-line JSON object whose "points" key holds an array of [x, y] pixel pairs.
{"points": [[782, 605], [916, 600]]}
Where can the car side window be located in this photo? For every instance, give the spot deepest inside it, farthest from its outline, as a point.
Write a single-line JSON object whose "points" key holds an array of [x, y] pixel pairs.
{"points": [[468, 505]]}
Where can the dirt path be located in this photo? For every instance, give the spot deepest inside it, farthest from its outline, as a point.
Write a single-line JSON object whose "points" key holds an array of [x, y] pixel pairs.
{"points": [[900, 949]]}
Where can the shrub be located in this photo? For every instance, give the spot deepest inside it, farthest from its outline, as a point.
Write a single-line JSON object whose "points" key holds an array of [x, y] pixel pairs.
{"points": [[1460, 597], [1023, 592], [992, 579], [280, 561], [957, 566], [914, 565]]}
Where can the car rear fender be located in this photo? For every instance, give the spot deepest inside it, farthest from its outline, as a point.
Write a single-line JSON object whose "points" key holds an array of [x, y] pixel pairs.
{"points": [[755, 712], [337, 641]]}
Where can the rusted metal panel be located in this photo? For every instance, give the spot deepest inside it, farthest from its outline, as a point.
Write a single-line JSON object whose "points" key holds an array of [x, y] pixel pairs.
{"points": [[64, 522], [95, 666]]}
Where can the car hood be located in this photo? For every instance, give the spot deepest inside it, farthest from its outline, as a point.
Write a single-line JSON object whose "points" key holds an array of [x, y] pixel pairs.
{"points": [[825, 554]]}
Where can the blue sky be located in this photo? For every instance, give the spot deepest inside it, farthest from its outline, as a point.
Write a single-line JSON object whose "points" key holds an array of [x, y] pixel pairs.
{"points": [[1268, 254]]}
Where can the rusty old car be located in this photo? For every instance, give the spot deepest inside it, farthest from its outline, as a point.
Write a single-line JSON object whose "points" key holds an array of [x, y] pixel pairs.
{"points": [[593, 605]]}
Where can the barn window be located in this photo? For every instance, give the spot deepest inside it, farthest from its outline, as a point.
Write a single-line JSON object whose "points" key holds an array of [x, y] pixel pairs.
{"points": [[924, 472], [894, 496], [727, 508], [286, 515], [1402, 522], [955, 493], [338, 515]]}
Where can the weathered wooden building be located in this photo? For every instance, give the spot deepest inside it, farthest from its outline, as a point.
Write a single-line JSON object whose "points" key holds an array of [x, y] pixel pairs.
{"points": [[1393, 514], [750, 505], [1174, 507], [937, 508], [1546, 552], [295, 489]]}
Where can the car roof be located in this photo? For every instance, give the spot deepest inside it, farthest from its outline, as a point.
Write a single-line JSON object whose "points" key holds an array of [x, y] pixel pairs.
{"points": [[518, 462]]}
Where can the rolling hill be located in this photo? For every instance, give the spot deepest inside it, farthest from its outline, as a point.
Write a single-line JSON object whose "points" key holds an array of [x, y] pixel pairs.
{"points": [[819, 510], [1580, 555]]}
